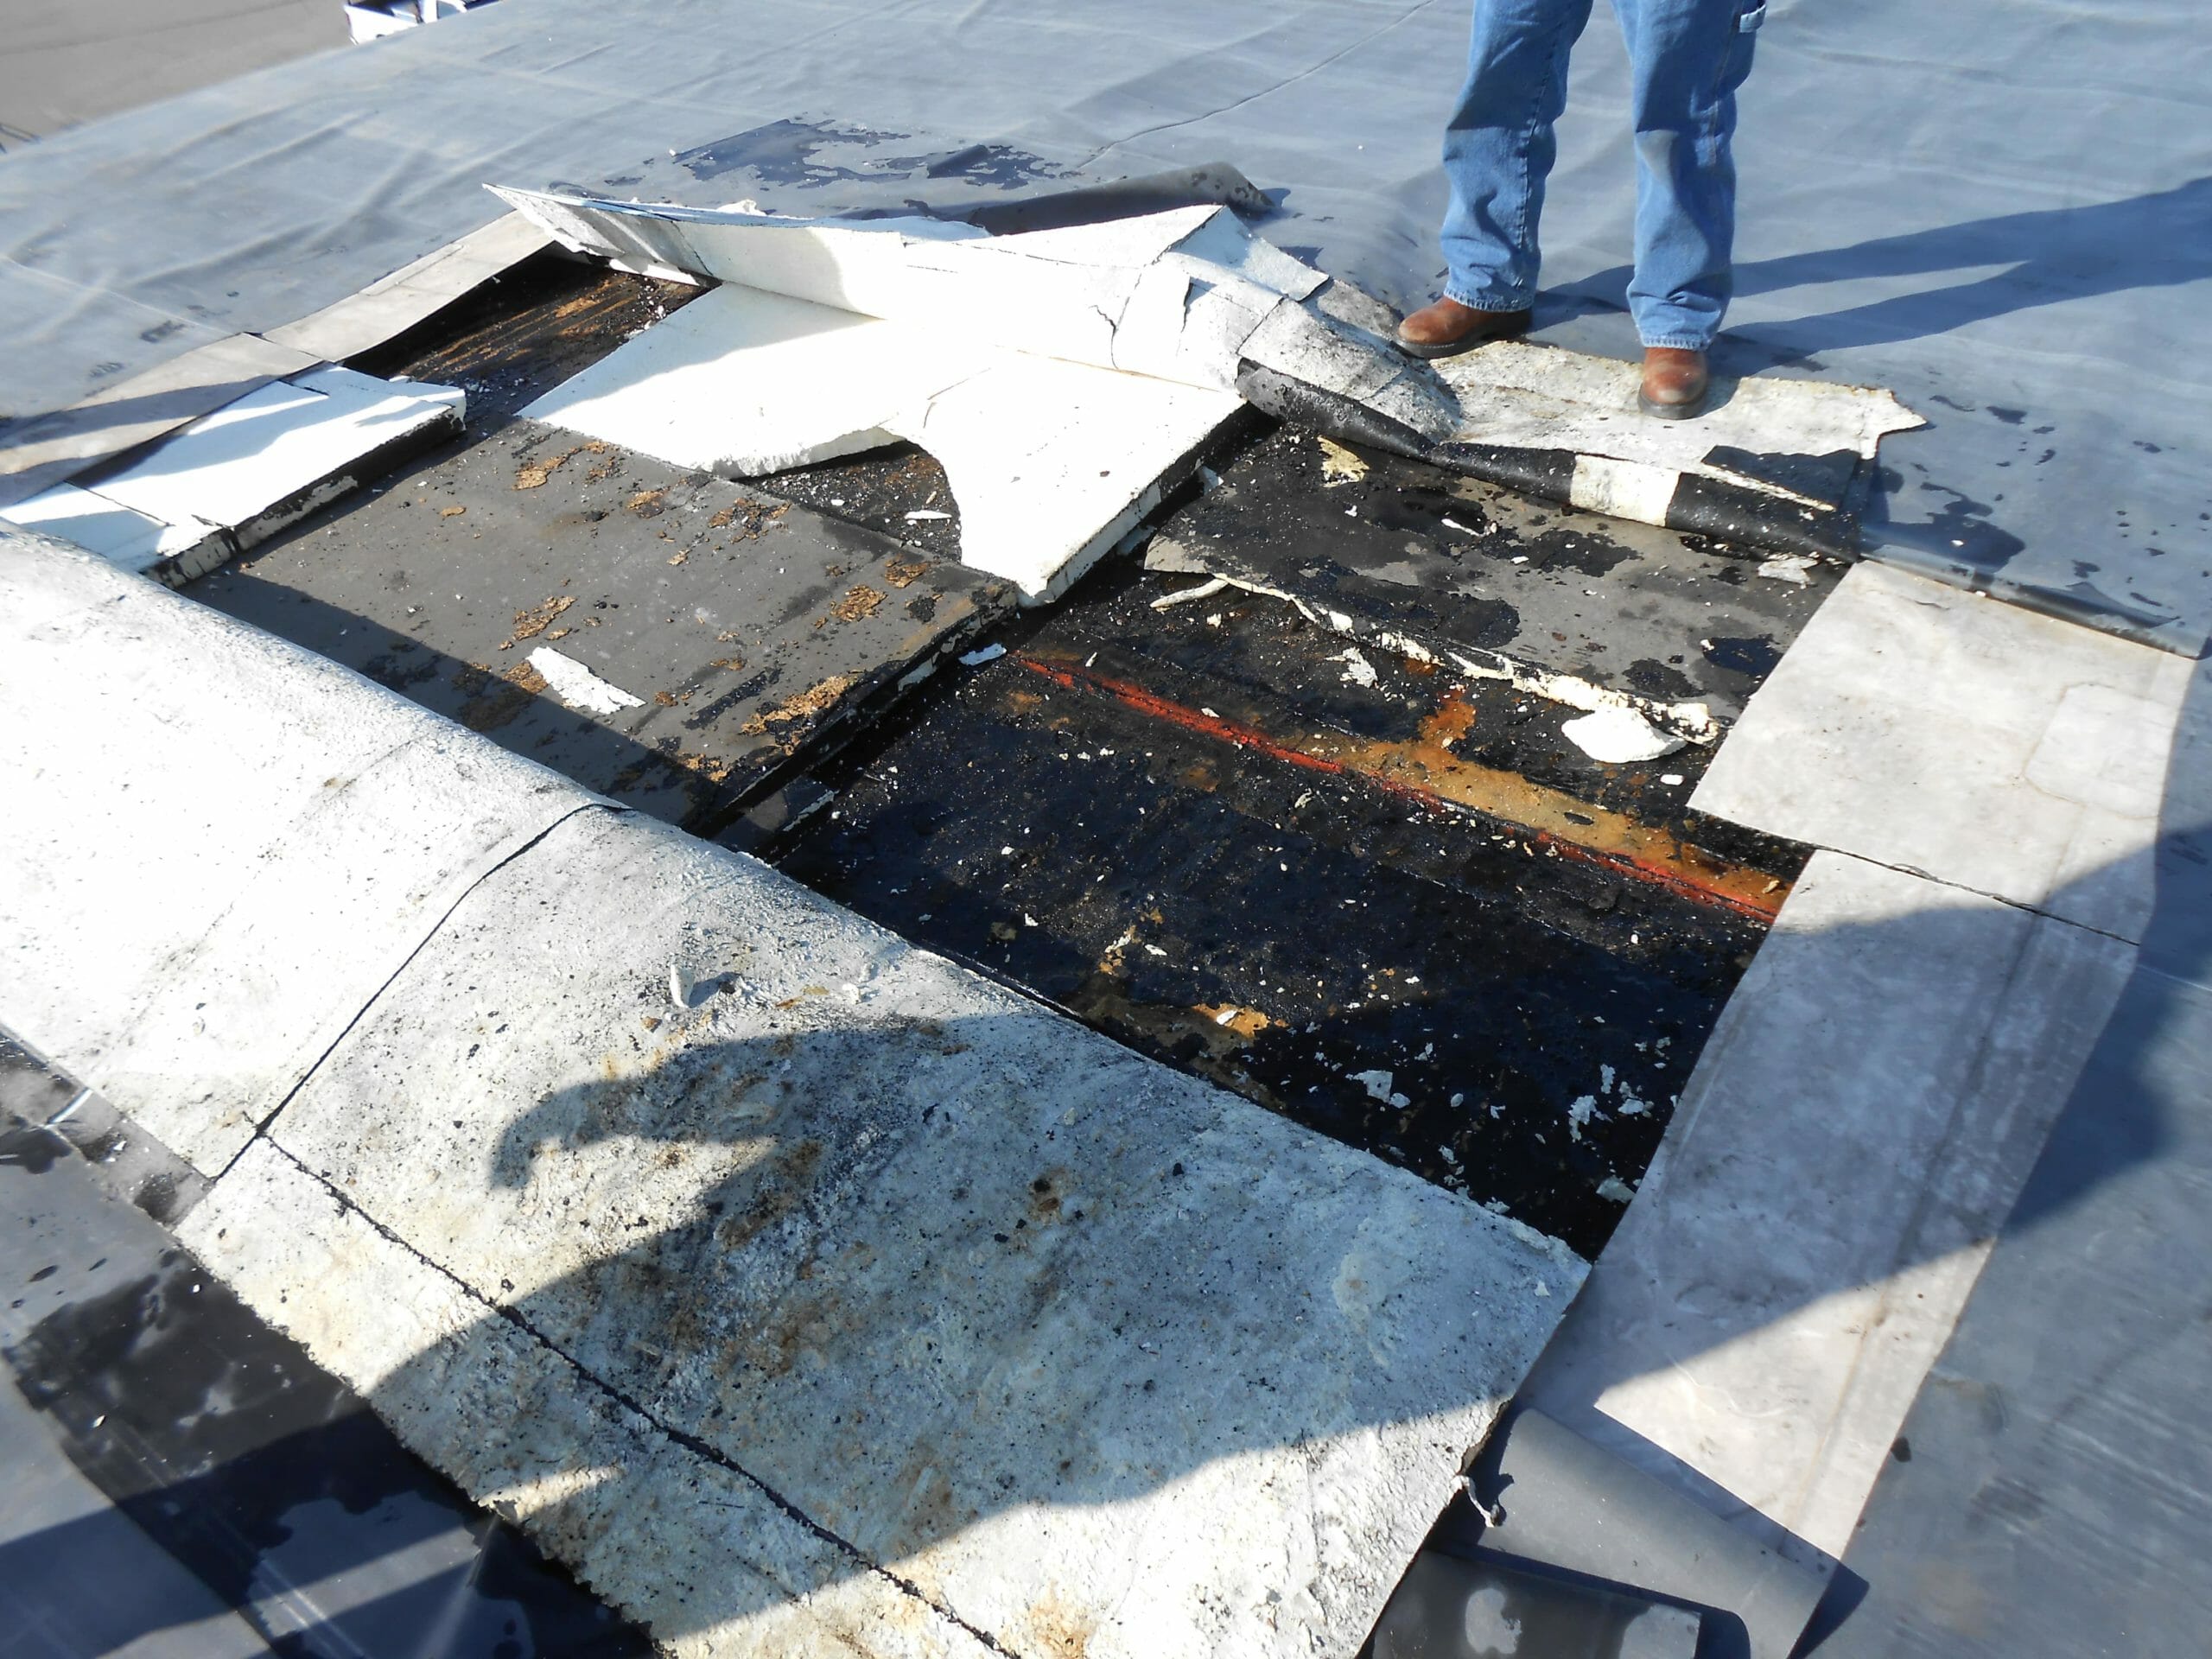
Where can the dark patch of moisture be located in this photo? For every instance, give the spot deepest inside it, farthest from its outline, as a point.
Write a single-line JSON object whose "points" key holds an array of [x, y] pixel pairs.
{"points": [[1652, 678], [793, 152], [1965, 532], [784, 152], [1756, 657], [998, 166], [2010, 417]]}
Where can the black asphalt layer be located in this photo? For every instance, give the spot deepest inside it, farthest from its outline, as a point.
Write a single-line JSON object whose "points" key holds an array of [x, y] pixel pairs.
{"points": [[1432, 983], [1403, 548]]}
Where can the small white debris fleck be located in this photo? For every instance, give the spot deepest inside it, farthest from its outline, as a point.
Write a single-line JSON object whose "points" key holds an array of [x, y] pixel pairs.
{"points": [[1182, 595], [1154, 951], [1457, 1100], [1617, 735], [1453, 524], [1580, 1112], [1542, 1288], [1358, 670], [1027, 921], [1005, 852], [577, 686], [1672, 780], [990, 653], [1617, 1190], [1377, 1083], [920, 513], [1791, 568], [1520, 558], [676, 988], [837, 500]]}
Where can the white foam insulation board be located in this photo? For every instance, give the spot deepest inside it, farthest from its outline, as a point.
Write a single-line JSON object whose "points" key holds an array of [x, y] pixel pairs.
{"points": [[1058, 374], [230, 479], [1050, 461], [1188, 295], [38, 453]]}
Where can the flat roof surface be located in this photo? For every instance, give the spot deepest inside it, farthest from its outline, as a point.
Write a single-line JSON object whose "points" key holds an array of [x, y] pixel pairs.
{"points": [[1997, 211]]}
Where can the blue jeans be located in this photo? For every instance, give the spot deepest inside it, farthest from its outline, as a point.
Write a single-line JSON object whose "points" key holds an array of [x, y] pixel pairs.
{"points": [[1687, 58]]}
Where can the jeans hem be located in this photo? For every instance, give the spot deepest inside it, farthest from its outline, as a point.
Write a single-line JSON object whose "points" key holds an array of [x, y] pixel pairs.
{"points": [[1678, 343], [1487, 303]]}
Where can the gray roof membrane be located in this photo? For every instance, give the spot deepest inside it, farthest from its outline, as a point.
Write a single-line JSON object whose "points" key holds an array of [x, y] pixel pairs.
{"points": [[1997, 212]]}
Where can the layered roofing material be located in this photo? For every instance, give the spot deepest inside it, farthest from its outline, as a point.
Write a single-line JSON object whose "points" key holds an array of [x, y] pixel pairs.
{"points": [[230, 479], [949, 1325]]}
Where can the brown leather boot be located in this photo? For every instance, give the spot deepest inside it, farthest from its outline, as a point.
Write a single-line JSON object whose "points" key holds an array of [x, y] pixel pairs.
{"points": [[1675, 383], [1447, 327]]}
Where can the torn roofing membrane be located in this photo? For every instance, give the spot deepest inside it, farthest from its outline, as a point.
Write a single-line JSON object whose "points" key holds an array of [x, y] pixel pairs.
{"points": [[1187, 296]]}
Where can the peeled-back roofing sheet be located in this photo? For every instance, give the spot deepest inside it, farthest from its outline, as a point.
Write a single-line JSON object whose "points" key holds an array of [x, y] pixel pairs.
{"points": [[2003, 211]]}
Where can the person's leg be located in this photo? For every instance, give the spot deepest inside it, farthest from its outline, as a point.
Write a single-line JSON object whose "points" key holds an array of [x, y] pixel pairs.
{"points": [[1687, 58], [1498, 147]]}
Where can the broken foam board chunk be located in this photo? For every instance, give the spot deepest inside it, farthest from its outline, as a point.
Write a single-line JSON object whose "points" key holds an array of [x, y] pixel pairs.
{"points": [[1050, 461], [744, 383], [233, 477], [126, 538], [1058, 293], [1041, 500], [38, 453]]}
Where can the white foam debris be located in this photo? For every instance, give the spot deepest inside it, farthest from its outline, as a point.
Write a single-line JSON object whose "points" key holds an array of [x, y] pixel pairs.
{"points": [[1579, 1112], [578, 687], [1796, 568], [976, 659], [1615, 1189], [1617, 735], [1358, 670], [1672, 780], [1378, 1086], [1183, 595]]}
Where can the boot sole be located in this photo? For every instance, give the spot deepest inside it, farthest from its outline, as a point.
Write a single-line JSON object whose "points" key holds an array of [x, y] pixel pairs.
{"points": [[1688, 411], [1453, 347]]}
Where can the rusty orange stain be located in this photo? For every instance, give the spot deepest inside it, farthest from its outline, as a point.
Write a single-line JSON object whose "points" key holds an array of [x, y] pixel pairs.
{"points": [[1426, 771]]}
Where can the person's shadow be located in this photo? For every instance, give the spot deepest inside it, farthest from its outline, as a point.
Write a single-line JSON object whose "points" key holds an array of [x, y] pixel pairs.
{"points": [[2159, 240]]}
